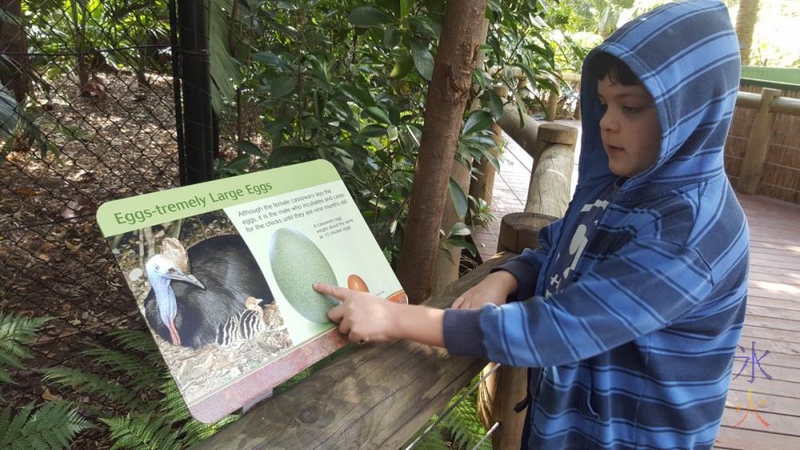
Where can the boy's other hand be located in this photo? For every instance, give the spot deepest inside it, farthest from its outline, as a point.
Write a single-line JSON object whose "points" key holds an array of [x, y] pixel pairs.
{"points": [[495, 288], [362, 316]]}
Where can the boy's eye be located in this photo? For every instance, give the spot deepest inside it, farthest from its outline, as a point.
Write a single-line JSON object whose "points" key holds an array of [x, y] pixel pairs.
{"points": [[632, 109], [604, 106]]}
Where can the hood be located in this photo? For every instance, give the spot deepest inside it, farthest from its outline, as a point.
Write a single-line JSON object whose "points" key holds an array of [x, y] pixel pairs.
{"points": [[687, 56]]}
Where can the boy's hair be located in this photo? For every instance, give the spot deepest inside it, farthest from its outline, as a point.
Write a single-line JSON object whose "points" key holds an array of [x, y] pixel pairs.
{"points": [[605, 65]]}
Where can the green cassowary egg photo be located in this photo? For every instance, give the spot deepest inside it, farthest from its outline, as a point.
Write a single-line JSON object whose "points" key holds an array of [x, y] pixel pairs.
{"points": [[297, 264]]}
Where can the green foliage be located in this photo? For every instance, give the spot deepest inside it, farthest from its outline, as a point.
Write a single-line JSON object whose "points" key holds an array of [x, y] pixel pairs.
{"points": [[460, 428], [142, 431], [16, 334], [85, 27], [136, 381], [346, 81], [463, 425], [52, 425]]}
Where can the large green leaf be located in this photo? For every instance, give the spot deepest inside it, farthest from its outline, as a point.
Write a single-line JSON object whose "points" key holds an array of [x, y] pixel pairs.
{"points": [[423, 60], [377, 113], [426, 26], [249, 148], [459, 198], [392, 37], [225, 69], [360, 96], [495, 104], [9, 118], [282, 86], [402, 66], [478, 121], [373, 131], [271, 59], [368, 16]]}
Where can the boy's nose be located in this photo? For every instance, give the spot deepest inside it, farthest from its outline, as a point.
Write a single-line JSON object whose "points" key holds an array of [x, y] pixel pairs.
{"points": [[608, 122]]}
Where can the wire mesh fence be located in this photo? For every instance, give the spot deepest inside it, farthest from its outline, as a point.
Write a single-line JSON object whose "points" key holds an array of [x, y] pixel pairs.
{"points": [[87, 114]]}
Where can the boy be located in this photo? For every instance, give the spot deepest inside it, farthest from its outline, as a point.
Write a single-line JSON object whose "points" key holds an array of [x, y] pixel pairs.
{"points": [[634, 303]]}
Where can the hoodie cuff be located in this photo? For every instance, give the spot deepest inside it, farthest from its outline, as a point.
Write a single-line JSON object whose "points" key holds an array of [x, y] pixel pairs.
{"points": [[521, 271], [462, 333]]}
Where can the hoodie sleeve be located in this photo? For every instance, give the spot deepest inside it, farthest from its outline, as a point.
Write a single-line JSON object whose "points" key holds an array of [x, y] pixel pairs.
{"points": [[644, 287], [463, 335], [529, 263]]}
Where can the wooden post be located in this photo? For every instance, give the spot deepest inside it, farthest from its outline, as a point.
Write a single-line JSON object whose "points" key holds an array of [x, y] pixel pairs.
{"points": [[497, 396], [502, 390], [550, 187], [525, 135], [519, 231], [758, 144], [552, 106]]}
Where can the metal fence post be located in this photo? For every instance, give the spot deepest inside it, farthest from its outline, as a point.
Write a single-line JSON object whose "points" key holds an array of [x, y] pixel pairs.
{"points": [[199, 148]]}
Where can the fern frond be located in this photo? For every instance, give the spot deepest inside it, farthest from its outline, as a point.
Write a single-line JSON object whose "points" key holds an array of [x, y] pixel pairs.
{"points": [[142, 431], [90, 384], [138, 373], [433, 440], [135, 340], [463, 424], [20, 329], [16, 335], [173, 405], [13, 429], [195, 432], [52, 426], [140, 342]]}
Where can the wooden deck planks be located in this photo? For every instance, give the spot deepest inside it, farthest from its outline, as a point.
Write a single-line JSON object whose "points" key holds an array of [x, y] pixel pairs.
{"points": [[772, 324]]}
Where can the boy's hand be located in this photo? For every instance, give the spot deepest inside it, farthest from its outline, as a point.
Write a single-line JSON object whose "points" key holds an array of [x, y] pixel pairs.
{"points": [[495, 288], [362, 316]]}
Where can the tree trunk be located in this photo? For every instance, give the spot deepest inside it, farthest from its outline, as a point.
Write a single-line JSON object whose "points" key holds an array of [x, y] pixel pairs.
{"points": [[14, 43], [448, 260], [745, 25], [446, 100]]}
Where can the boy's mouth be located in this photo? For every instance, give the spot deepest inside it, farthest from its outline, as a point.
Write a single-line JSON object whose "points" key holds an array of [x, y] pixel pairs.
{"points": [[613, 149]]}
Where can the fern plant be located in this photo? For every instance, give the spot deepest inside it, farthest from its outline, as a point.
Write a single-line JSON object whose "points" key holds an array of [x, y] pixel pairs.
{"points": [[459, 429], [135, 380], [52, 425]]}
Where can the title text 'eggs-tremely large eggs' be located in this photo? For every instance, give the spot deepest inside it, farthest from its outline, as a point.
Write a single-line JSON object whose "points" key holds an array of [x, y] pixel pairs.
{"points": [[297, 263]]}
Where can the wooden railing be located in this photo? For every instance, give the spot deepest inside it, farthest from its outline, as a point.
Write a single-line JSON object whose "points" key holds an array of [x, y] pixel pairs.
{"points": [[767, 104], [373, 397], [378, 396]]}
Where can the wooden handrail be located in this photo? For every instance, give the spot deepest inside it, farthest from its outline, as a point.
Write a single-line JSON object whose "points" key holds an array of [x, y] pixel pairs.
{"points": [[785, 105], [768, 103], [374, 396], [778, 104]]}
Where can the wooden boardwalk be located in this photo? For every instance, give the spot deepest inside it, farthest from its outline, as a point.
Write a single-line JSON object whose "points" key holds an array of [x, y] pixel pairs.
{"points": [[763, 406]]}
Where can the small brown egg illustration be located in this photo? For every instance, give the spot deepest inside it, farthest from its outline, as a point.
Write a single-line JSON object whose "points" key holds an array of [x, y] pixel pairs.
{"points": [[399, 297], [356, 283]]}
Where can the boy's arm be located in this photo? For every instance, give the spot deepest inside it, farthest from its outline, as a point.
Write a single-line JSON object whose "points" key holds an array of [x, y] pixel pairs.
{"points": [[498, 287], [364, 317], [646, 286]]}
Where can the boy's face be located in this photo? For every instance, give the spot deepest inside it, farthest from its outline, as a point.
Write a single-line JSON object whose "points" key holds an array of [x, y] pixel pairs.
{"points": [[629, 128]]}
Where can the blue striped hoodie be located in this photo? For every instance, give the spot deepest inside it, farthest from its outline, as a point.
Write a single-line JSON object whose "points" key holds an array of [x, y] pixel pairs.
{"points": [[637, 348]]}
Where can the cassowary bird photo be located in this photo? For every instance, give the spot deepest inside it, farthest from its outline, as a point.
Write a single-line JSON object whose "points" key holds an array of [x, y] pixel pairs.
{"points": [[196, 290]]}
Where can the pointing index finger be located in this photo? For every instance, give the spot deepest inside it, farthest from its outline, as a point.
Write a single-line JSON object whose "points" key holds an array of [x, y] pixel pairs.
{"points": [[328, 289]]}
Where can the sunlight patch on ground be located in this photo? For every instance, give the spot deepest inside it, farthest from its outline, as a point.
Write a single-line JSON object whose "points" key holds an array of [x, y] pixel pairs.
{"points": [[775, 287]]}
